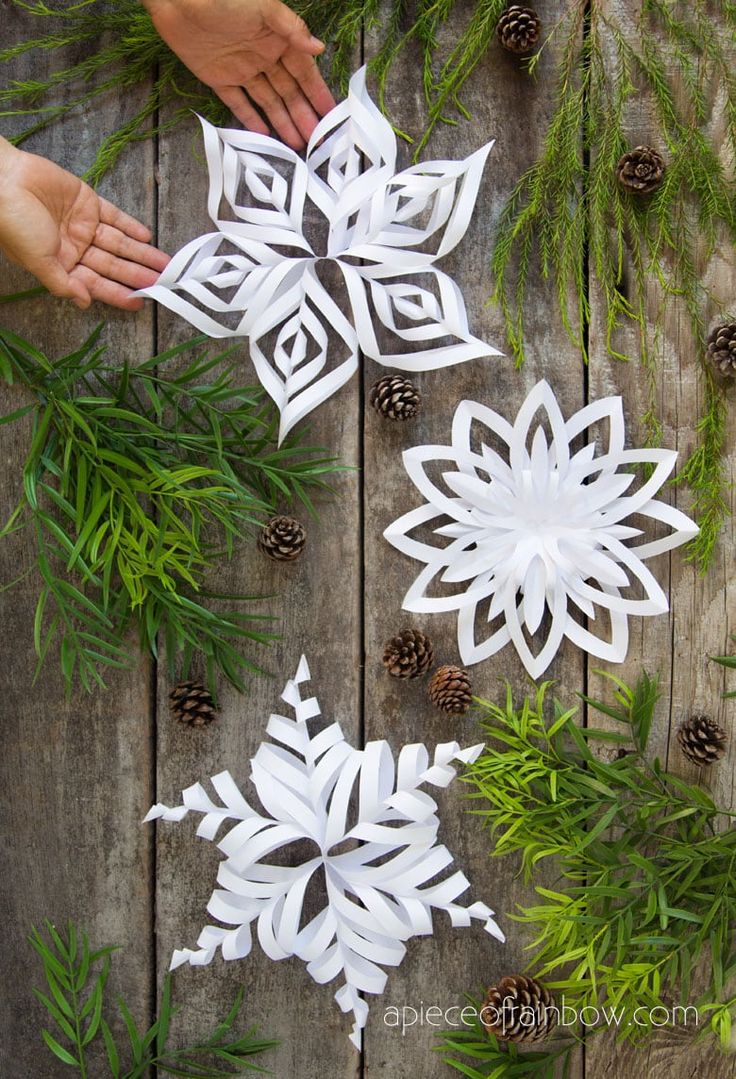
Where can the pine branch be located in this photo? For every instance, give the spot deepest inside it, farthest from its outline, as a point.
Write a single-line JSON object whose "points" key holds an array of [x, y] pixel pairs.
{"points": [[137, 482], [76, 1001], [646, 865]]}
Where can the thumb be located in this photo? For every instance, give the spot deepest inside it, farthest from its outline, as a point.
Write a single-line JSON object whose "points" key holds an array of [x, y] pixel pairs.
{"points": [[282, 20], [52, 274]]}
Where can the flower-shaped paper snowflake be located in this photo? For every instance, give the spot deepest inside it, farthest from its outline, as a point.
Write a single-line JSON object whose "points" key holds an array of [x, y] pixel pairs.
{"points": [[538, 527], [258, 275], [380, 888]]}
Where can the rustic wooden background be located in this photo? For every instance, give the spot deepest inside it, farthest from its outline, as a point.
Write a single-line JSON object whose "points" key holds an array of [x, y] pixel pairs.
{"points": [[79, 774]]}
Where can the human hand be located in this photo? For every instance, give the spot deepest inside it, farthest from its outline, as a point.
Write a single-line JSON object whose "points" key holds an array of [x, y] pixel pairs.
{"points": [[256, 46], [77, 244]]}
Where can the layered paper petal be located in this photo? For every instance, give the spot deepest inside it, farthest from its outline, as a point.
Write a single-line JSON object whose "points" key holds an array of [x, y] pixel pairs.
{"points": [[256, 276], [535, 531], [310, 788]]}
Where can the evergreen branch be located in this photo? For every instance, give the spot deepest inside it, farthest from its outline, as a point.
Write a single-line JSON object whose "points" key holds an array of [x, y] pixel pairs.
{"points": [[76, 978], [730, 663], [646, 867], [136, 482]]}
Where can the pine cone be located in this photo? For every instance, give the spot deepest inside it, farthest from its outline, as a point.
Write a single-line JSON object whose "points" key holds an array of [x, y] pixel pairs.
{"points": [[282, 539], [701, 740], [518, 1009], [519, 29], [450, 689], [395, 397], [722, 348], [640, 170], [192, 703], [408, 655]]}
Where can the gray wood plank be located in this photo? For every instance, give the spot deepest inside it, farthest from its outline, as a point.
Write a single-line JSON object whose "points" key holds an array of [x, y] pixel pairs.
{"points": [[76, 773], [702, 608], [503, 101], [317, 606]]}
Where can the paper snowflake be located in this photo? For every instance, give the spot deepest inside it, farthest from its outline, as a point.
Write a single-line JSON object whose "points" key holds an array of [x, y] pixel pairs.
{"points": [[380, 891], [258, 275], [537, 527]]}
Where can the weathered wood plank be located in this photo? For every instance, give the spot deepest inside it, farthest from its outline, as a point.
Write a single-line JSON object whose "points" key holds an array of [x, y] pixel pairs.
{"points": [[503, 101], [702, 608], [317, 606], [76, 773]]}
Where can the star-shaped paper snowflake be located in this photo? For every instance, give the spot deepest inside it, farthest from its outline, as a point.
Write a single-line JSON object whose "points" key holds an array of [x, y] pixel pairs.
{"points": [[258, 275], [538, 527], [380, 891]]}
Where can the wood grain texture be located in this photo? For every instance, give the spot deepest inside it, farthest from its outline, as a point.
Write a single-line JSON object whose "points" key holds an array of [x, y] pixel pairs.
{"points": [[88, 769], [702, 608], [438, 970], [75, 773]]}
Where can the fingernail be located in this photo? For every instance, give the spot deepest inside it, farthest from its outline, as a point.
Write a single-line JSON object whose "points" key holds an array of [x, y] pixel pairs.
{"points": [[316, 43]]}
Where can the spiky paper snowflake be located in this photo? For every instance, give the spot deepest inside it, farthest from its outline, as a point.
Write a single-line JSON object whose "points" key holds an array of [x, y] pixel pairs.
{"points": [[538, 527], [305, 785], [257, 276]]}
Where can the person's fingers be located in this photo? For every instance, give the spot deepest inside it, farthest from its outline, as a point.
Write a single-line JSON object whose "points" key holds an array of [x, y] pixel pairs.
{"points": [[301, 112], [116, 269], [113, 215], [263, 94], [116, 242], [52, 274], [241, 108], [307, 75], [285, 22], [110, 292]]}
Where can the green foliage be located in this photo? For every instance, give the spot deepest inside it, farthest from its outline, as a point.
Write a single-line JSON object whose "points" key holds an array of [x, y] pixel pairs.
{"points": [[503, 1060], [76, 978], [566, 218], [646, 865], [730, 662], [567, 214], [137, 480]]}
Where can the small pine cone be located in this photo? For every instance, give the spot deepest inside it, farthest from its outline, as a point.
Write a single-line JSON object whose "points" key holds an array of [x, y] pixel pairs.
{"points": [[395, 397], [721, 348], [701, 740], [450, 689], [282, 539], [519, 29], [640, 170], [192, 703], [408, 655], [519, 1009]]}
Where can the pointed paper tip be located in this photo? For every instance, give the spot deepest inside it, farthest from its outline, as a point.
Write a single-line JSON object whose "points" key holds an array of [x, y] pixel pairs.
{"points": [[302, 671]]}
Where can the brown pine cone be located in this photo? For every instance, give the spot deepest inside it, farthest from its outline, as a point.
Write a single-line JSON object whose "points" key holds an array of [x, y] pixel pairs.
{"points": [[701, 740], [640, 170], [519, 29], [721, 348], [519, 1009], [451, 690], [395, 397], [192, 704], [282, 539], [408, 655]]}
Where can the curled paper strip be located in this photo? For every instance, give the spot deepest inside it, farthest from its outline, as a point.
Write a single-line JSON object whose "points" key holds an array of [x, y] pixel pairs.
{"points": [[538, 527], [305, 785], [257, 276]]}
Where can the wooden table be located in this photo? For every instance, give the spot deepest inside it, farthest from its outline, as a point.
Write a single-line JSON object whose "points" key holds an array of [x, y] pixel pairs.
{"points": [[79, 774]]}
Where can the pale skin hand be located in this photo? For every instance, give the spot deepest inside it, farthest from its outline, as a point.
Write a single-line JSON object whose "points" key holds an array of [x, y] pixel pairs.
{"points": [[250, 49], [77, 244]]}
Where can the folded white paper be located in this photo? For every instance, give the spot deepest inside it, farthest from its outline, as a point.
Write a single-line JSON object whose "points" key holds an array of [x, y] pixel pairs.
{"points": [[381, 887], [538, 526], [257, 276]]}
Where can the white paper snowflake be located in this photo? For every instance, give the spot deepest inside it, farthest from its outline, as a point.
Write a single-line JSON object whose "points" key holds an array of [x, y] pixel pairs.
{"points": [[257, 276], [538, 527], [379, 893]]}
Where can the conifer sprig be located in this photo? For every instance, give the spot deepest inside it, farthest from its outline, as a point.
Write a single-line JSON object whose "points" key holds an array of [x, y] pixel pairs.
{"points": [[136, 481], [75, 999], [646, 862]]}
